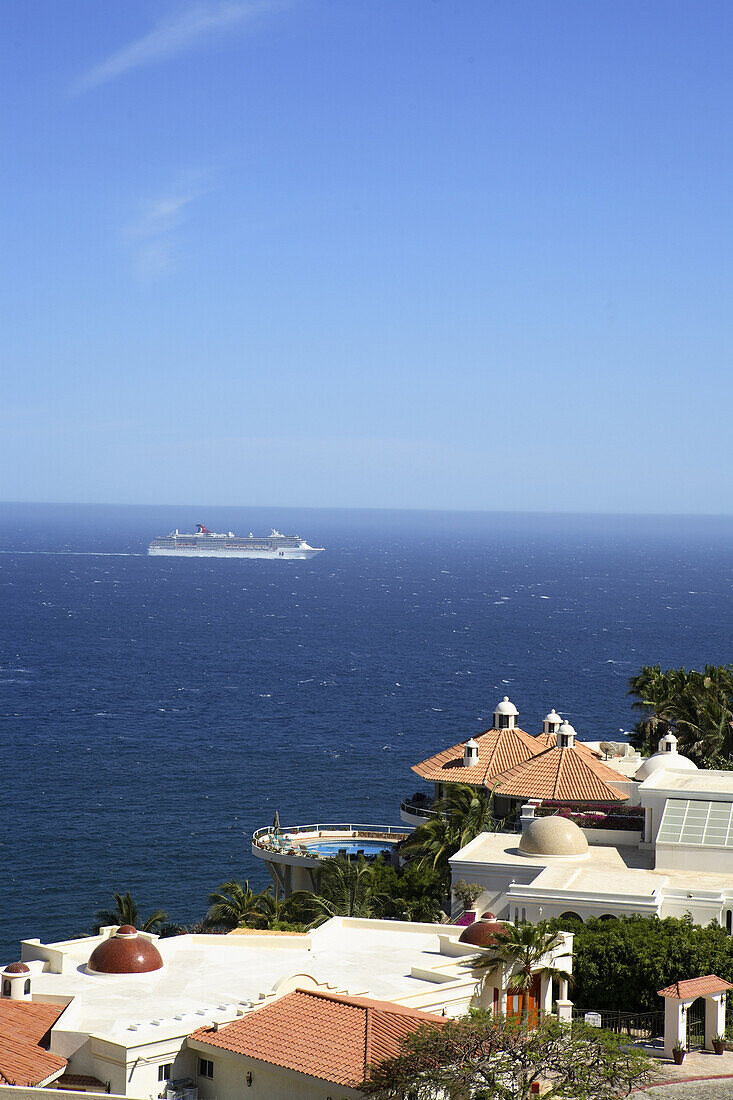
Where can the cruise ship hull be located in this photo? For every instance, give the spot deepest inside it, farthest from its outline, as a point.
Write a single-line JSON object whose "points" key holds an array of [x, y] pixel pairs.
{"points": [[262, 555]]}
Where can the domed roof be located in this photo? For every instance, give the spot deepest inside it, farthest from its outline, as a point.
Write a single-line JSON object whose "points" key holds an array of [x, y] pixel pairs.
{"points": [[553, 716], [505, 707], [566, 728], [672, 761], [470, 744], [482, 933], [17, 968], [125, 952], [553, 836]]}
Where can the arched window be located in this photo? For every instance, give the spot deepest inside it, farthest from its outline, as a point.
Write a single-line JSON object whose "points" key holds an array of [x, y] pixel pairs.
{"points": [[6, 987], [571, 917], [27, 986]]}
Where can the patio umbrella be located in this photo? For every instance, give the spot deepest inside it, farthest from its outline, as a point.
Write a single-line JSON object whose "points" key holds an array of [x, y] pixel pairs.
{"points": [[276, 822]]}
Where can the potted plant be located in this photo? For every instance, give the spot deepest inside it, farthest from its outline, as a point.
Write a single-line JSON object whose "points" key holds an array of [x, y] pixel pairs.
{"points": [[718, 1043], [678, 1054]]}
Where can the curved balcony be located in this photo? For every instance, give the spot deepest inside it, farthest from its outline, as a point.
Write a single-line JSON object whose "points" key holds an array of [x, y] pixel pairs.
{"points": [[293, 854], [416, 812]]}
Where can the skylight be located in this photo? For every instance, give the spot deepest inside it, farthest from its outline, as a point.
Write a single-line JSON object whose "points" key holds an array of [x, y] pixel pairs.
{"points": [[703, 823]]}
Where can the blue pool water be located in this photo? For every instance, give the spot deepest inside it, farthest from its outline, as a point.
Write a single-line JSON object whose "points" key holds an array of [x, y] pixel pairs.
{"points": [[156, 712], [332, 848]]}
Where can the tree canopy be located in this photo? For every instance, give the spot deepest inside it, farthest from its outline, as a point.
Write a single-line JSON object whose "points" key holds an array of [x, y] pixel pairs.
{"points": [[490, 1058], [696, 706], [621, 962], [461, 815]]}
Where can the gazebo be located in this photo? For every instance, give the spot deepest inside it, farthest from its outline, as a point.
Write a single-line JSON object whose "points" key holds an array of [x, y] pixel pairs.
{"points": [[677, 999]]}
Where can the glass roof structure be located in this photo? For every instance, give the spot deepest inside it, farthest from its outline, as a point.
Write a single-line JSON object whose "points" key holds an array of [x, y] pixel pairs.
{"points": [[700, 822]]}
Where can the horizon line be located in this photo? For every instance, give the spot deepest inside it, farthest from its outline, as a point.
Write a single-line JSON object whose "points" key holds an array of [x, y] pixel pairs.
{"points": [[389, 509]]}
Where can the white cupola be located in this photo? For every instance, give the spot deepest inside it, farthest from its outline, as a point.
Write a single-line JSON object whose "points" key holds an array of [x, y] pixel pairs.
{"points": [[16, 982], [505, 715], [565, 736], [666, 756], [551, 722], [470, 753]]}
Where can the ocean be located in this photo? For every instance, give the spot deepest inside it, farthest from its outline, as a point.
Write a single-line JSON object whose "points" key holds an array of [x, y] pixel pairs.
{"points": [[155, 712]]}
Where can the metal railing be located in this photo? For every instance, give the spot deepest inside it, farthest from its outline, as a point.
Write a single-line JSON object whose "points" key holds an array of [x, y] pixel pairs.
{"points": [[360, 832], [419, 809]]}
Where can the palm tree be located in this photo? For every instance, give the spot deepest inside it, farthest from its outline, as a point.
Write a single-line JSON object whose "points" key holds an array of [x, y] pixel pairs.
{"points": [[522, 948], [233, 905], [275, 910], [126, 912], [698, 706], [462, 814], [345, 890]]}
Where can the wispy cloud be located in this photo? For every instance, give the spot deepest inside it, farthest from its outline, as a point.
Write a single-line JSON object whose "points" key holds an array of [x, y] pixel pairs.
{"points": [[152, 237], [175, 35]]}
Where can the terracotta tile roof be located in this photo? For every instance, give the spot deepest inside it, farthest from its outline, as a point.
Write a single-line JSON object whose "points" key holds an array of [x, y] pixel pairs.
{"points": [[498, 750], [549, 740], [695, 987], [24, 1028], [564, 774], [81, 1081], [331, 1037]]}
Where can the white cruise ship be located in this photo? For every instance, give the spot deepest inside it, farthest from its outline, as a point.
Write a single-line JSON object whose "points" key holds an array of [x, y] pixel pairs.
{"points": [[208, 544]]}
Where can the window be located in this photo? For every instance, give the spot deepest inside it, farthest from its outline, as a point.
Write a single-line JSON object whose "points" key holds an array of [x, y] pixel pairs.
{"points": [[27, 986], [206, 1068], [164, 1072], [6, 988], [729, 922]]}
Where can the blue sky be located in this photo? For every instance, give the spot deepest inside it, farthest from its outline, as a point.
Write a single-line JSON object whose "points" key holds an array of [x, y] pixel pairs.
{"points": [[401, 253]]}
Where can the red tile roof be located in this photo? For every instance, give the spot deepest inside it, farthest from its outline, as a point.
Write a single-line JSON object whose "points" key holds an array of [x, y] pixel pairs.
{"points": [[695, 987], [564, 774], [498, 750], [331, 1037], [549, 740], [80, 1081], [24, 1028]]}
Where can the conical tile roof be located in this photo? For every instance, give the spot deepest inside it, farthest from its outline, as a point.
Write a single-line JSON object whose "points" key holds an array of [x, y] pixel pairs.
{"points": [[549, 740], [561, 774], [498, 750]]}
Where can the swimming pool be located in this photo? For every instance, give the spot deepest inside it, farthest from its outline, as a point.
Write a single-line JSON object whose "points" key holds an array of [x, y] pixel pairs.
{"points": [[351, 847]]}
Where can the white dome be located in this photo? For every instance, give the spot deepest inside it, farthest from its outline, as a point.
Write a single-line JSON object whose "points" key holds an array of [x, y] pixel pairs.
{"points": [[505, 707], [664, 761], [553, 716], [553, 836], [471, 744], [567, 729]]}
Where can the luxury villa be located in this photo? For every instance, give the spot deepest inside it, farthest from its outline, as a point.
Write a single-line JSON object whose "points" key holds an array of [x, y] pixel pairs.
{"points": [[219, 1017], [664, 848]]}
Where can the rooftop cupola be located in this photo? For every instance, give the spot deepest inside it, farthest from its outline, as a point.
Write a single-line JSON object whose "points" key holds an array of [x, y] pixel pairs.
{"points": [[505, 715], [470, 753], [551, 722], [16, 982], [668, 743], [565, 736]]}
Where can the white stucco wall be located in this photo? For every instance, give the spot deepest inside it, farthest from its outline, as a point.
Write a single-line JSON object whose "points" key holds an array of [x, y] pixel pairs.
{"points": [[268, 1082]]}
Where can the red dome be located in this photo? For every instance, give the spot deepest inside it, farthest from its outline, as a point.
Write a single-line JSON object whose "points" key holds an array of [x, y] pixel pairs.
{"points": [[482, 933], [17, 968], [125, 952], [488, 916]]}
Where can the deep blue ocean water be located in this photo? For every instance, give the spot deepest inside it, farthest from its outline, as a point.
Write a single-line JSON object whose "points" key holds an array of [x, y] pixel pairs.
{"points": [[155, 712]]}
